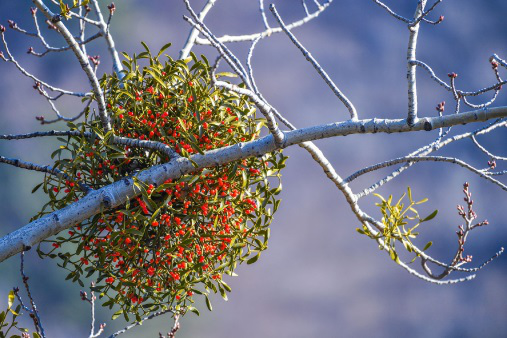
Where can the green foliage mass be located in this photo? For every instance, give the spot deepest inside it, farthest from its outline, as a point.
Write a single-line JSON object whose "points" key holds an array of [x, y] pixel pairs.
{"points": [[178, 239]]}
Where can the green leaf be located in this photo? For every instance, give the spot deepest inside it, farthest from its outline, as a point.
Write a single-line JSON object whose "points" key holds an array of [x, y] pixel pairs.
{"points": [[146, 47], [424, 200], [62, 6], [430, 217], [37, 187], [117, 314], [253, 259], [158, 79], [208, 303], [226, 286], [36, 335], [427, 246], [11, 298], [394, 256], [226, 74], [164, 47], [194, 310], [222, 293]]}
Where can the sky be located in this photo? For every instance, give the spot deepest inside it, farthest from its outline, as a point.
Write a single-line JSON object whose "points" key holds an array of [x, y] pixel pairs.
{"points": [[319, 277]]}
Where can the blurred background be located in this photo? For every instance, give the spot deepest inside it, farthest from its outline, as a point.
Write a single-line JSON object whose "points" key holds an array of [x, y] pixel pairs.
{"points": [[319, 277]]}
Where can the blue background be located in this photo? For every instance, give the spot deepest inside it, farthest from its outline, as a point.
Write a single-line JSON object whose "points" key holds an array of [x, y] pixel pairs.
{"points": [[319, 278]]}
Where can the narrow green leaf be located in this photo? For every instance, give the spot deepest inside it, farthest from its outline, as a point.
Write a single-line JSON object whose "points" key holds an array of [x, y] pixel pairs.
{"points": [[430, 217], [208, 303], [253, 259], [11, 298], [424, 200], [427, 246], [164, 47]]}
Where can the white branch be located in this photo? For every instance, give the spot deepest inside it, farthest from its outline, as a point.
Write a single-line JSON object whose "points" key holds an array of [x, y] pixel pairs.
{"points": [[104, 28], [83, 61], [411, 68], [267, 32], [119, 192], [194, 32], [348, 104]]}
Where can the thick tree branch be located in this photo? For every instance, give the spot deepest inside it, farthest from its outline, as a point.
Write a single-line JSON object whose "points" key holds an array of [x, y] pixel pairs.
{"points": [[118, 192]]}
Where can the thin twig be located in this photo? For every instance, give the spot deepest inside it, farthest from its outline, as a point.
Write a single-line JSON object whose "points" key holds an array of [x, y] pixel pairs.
{"points": [[36, 318], [153, 315], [44, 169], [348, 104], [194, 32], [268, 32]]}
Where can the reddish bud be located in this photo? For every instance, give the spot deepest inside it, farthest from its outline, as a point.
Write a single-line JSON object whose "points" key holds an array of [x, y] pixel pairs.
{"points": [[441, 106], [111, 8]]}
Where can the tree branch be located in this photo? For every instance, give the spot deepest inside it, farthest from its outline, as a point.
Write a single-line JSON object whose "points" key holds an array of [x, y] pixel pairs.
{"points": [[83, 61], [119, 192]]}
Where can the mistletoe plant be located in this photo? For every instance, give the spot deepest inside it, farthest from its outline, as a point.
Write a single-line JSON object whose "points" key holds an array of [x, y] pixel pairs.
{"points": [[174, 240], [395, 220]]}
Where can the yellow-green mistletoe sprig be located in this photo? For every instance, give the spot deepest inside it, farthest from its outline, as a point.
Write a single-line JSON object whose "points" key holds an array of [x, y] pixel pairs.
{"points": [[399, 224], [177, 239]]}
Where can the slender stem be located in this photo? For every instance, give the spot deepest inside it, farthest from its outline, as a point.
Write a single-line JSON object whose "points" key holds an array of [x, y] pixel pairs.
{"points": [[153, 315], [44, 169], [411, 68], [35, 313], [267, 32], [83, 61], [104, 27], [348, 104], [194, 32]]}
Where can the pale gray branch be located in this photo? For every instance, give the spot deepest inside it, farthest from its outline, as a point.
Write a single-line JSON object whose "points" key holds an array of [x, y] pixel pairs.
{"points": [[83, 61], [268, 32], [194, 32], [350, 107]]}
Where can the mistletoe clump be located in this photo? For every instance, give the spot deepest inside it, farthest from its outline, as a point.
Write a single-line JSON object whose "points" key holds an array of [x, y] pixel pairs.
{"points": [[177, 239]]}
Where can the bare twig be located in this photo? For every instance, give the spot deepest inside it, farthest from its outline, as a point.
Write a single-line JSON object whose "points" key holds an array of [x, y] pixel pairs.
{"points": [[44, 169], [194, 32], [104, 28], [83, 61], [153, 315], [348, 104], [267, 32], [34, 314]]}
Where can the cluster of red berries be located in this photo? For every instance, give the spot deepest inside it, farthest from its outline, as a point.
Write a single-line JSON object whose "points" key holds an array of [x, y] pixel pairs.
{"points": [[177, 239]]}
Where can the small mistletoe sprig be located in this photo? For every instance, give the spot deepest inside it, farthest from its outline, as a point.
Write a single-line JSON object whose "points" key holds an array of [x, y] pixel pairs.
{"points": [[395, 219]]}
